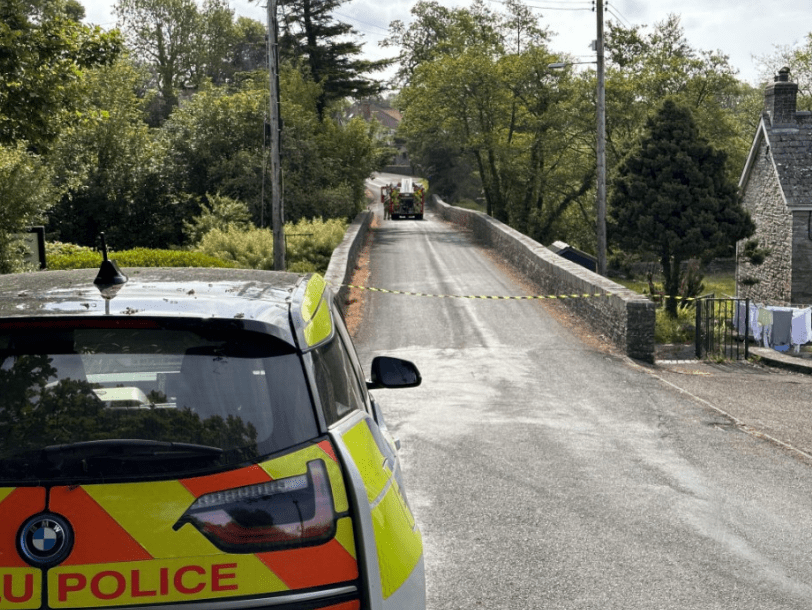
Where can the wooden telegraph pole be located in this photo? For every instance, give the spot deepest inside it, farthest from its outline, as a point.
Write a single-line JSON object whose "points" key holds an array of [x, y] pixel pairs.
{"points": [[277, 208], [601, 146]]}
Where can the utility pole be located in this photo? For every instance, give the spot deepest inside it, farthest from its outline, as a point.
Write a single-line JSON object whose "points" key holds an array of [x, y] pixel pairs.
{"points": [[277, 209], [601, 146]]}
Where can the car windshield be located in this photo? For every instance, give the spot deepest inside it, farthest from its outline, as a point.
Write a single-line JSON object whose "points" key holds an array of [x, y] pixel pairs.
{"points": [[126, 403]]}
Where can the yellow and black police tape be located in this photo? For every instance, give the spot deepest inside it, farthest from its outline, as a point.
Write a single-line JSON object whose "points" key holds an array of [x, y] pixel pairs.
{"points": [[496, 297]]}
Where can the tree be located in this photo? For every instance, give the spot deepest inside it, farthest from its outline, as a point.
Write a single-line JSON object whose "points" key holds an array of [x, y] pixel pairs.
{"points": [[502, 112], [181, 42], [672, 197], [44, 54], [221, 213], [249, 52], [216, 144], [325, 162], [644, 68], [799, 61], [116, 170], [313, 39], [26, 191]]}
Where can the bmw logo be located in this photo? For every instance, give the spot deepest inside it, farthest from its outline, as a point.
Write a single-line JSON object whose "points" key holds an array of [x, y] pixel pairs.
{"points": [[45, 540]]}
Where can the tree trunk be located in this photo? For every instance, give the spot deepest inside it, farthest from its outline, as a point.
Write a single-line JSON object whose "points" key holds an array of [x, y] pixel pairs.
{"points": [[671, 273]]}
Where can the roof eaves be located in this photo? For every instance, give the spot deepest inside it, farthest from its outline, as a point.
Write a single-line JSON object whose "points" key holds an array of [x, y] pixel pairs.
{"points": [[762, 134]]}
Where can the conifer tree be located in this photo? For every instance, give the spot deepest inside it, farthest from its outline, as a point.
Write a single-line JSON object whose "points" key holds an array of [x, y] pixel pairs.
{"points": [[311, 37], [673, 198]]}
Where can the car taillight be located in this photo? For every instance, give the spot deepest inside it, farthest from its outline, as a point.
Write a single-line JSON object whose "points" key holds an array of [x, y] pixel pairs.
{"points": [[291, 512]]}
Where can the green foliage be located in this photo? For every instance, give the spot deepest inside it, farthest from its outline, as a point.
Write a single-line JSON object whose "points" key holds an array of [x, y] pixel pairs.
{"points": [[669, 329], [58, 248], [646, 67], [672, 198], [116, 170], [220, 213], [325, 163], [183, 43], [26, 192], [753, 254], [680, 329], [85, 258], [485, 101], [309, 245], [44, 53], [216, 144]]}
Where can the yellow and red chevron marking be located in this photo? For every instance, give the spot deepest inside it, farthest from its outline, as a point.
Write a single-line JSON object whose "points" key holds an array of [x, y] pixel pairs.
{"points": [[20, 584], [126, 551], [16, 505]]}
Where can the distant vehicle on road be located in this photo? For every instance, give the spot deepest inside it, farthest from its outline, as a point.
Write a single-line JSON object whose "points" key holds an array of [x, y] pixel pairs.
{"points": [[406, 199]]}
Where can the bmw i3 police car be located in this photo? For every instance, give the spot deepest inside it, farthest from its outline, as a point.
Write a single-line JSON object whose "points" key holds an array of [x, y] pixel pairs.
{"points": [[195, 438]]}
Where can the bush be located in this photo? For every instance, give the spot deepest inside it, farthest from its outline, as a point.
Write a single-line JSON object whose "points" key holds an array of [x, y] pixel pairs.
{"points": [[310, 244], [669, 330], [58, 248], [218, 212], [86, 258]]}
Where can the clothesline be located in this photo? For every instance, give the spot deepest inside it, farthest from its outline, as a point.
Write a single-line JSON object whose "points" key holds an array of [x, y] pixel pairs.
{"points": [[780, 328]]}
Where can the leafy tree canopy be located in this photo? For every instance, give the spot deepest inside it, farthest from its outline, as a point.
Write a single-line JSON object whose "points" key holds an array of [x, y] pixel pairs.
{"points": [[116, 169], [646, 66], [481, 104], [44, 53], [183, 43]]}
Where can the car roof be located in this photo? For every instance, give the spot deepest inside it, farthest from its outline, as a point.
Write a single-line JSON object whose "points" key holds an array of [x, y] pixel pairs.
{"points": [[267, 297]]}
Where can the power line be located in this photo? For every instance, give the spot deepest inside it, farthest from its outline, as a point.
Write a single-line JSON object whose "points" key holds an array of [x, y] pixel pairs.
{"points": [[568, 6], [616, 13], [372, 25]]}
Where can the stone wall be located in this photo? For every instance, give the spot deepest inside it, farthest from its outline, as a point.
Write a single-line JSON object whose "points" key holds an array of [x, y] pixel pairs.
{"points": [[625, 317], [774, 226], [345, 257]]}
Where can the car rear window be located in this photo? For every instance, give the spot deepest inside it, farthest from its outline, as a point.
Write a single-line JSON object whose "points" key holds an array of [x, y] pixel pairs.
{"points": [[83, 402]]}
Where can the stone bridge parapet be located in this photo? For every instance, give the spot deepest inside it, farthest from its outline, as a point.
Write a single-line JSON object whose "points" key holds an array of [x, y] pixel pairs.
{"points": [[624, 317]]}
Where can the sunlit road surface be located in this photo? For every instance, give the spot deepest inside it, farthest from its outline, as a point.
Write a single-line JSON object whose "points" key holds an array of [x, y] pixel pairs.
{"points": [[548, 474]]}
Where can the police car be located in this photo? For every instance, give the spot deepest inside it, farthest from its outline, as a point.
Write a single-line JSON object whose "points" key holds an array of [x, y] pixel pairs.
{"points": [[195, 438]]}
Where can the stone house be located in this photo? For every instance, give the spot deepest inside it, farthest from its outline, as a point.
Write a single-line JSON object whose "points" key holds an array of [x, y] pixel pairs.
{"points": [[776, 188]]}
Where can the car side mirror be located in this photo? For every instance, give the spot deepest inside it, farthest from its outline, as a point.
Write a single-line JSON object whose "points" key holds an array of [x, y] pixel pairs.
{"points": [[390, 372]]}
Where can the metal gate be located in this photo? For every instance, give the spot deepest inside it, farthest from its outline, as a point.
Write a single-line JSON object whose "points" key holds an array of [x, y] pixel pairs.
{"points": [[721, 328]]}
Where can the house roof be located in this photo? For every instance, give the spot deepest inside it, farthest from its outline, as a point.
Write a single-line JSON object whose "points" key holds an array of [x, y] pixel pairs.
{"points": [[789, 148], [787, 137]]}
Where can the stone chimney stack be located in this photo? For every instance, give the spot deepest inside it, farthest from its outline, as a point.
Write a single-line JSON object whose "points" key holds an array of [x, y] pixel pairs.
{"points": [[780, 99]]}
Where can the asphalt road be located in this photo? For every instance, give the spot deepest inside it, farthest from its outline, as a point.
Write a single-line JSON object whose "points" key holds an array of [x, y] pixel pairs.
{"points": [[548, 473]]}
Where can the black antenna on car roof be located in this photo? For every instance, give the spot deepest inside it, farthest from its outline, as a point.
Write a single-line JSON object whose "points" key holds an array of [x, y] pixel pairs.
{"points": [[110, 278]]}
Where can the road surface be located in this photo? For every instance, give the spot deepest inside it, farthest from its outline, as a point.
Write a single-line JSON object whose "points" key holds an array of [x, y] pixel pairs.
{"points": [[548, 473]]}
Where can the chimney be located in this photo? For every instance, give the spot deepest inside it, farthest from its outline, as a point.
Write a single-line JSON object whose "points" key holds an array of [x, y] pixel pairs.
{"points": [[780, 99]]}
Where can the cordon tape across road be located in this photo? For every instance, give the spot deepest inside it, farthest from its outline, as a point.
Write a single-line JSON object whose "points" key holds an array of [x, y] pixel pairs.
{"points": [[492, 297]]}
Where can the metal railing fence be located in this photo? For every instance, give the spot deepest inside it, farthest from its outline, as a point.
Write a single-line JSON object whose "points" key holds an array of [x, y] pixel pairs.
{"points": [[721, 328]]}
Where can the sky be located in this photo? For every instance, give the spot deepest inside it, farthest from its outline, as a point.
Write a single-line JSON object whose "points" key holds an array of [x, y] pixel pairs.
{"points": [[740, 29]]}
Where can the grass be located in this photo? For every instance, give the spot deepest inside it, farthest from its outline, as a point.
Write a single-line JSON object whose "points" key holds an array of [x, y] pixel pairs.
{"points": [[681, 330], [722, 285]]}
